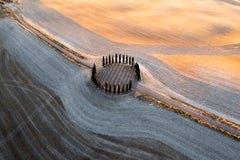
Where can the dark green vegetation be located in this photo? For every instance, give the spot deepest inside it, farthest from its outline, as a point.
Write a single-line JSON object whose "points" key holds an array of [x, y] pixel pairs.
{"points": [[117, 75]]}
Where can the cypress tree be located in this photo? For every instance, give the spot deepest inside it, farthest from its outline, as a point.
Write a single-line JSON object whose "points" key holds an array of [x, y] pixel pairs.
{"points": [[136, 66], [103, 61], [119, 58], [123, 88], [94, 79], [114, 89], [109, 59], [138, 71], [130, 85], [110, 88], [116, 61], [94, 74], [94, 69], [127, 87], [119, 90], [106, 87]]}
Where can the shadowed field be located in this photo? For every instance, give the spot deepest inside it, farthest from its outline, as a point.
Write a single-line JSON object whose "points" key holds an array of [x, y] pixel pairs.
{"points": [[35, 125]]}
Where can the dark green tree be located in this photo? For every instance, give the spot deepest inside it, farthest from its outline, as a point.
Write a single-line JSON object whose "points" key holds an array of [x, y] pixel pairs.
{"points": [[112, 58], [138, 71], [119, 89], [109, 59], [110, 88], [123, 88], [132, 61], [127, 87], [119, 58], [103, 61], [116, 61], [94, 68], [94, 74], [130, 85], [114, 89], [106, 87], [94, 78], [106, 61]]}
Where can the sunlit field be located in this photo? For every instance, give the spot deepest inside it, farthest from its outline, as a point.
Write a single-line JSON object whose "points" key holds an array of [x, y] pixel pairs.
{"points": [[223, 71], [185, 22]]}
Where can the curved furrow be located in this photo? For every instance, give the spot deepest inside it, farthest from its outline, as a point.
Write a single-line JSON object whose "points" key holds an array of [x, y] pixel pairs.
{"points": [[34, 133], [59, 119], [22, 88], [20, 108]]}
